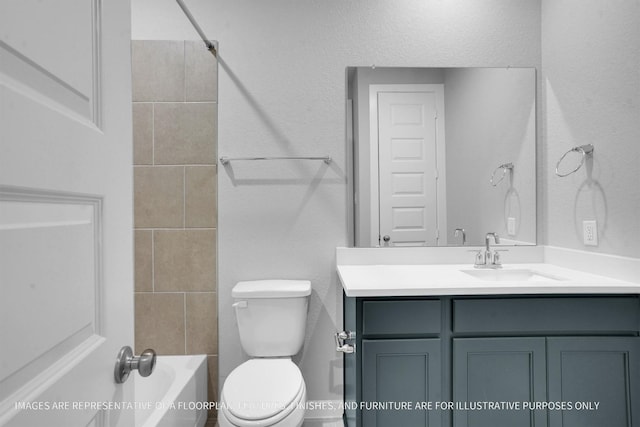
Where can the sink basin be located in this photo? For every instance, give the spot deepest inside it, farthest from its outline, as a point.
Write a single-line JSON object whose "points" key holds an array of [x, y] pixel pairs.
{"points": [[510, 275]]}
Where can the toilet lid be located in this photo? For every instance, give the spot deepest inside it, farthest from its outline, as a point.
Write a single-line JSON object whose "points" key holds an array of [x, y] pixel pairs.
{"points": [[261, 388]]}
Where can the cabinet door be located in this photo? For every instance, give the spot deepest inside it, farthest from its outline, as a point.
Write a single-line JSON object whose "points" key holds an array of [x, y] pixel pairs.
{"points": [[400, 371], [586, 371], [498, 370]]}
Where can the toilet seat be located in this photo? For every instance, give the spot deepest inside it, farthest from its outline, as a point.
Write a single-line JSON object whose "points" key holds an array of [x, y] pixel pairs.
{"points": [[262, 392]]}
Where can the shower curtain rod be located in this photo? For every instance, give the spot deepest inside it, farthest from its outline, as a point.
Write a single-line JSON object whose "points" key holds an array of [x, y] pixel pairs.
{"points": [[190, 17]]}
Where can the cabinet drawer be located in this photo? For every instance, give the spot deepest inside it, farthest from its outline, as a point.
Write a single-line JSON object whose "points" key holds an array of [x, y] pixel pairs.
{"points": [[547, 315], [401, 317]]}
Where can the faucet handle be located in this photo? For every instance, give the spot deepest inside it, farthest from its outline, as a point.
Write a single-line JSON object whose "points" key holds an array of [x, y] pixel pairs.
{"points": [[481, 258], [496, 256]]}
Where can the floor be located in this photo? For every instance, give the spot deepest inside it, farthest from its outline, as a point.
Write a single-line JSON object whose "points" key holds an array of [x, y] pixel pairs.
{"points": [[323, 423], [307, 423]]}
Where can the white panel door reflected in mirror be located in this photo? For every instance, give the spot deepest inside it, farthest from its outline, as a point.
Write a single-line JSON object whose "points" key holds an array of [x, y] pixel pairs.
{"points": [[427, 143]]}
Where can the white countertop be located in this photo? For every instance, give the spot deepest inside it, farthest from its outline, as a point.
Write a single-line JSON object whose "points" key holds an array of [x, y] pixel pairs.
{"points": [[450, 279]]}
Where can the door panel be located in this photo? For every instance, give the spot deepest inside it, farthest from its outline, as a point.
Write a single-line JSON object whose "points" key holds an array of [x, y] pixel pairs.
{"points": [[65, 69], [407, 167], [605, 370], [65, 208], [499, 370], [401, 371], [60, 238]]}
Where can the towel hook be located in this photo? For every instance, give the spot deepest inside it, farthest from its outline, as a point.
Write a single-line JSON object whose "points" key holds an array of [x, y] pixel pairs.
{"points": [[586, 150], [505, 167]]}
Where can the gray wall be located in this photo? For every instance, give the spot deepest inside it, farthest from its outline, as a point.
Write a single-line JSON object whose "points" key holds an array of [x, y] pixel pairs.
{"points": [[282, 91], [490, 120], [591, 85]]}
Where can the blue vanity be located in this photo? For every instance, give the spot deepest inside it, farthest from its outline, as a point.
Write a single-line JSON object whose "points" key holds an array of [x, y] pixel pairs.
{"points": [[514, 351]]}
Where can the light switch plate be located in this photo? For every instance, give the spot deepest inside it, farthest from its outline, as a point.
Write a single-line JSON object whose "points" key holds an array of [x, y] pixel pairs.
{"points": [[511, 226], [590, 233]]}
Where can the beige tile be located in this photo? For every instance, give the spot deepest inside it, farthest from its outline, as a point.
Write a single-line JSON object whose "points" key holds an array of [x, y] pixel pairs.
{"points": [[142, 133], [159, 322], [201, 72], [185, 260], [158, 196], [157, 70], [201, 208], [185, 133], [202, 323], [212, 389], [143, 261]]}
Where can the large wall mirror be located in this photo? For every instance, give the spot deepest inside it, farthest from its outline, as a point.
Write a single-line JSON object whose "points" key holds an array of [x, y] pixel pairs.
{"points": [[442, 155]]}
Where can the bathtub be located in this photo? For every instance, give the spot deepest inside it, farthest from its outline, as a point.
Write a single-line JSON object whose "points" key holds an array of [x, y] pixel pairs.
{"points": [[173, 396]]}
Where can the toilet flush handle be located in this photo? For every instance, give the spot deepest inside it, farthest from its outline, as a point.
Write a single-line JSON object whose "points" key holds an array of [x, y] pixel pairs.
{"points": [[239, 304]]}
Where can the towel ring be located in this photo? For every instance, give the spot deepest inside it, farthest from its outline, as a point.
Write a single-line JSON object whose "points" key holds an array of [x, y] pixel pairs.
{"points": [[504, 167], [584, 149]]}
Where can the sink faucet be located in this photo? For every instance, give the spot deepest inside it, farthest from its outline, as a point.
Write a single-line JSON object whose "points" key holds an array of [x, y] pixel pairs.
{"points": [[462, 233], [496, 239], [488, 258]]}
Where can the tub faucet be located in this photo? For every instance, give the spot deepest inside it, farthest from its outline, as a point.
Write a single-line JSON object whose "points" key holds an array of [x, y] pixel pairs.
{"points": [[488, 258]]}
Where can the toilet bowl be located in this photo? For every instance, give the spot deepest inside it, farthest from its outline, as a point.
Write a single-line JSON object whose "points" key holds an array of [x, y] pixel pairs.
{"points": [[263, 392], [268, 389]]}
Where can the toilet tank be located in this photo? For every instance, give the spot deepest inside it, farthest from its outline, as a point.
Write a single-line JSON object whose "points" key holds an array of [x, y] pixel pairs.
{"points": [[272, 316]]}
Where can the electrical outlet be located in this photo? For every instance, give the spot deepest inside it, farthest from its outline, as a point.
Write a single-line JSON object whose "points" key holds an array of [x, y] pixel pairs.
{"points": [[511, 226], [590, 233]]}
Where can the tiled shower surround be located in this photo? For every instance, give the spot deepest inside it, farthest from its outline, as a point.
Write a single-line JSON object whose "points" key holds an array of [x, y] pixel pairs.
{"points": [[175, 203]]}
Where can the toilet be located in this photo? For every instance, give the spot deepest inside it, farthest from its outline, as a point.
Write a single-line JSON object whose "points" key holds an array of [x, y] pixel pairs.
{"points": [[268, 389]]}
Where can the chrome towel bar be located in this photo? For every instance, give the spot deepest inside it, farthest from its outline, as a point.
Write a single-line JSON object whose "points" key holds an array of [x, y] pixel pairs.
{"points": [[225, 160]]}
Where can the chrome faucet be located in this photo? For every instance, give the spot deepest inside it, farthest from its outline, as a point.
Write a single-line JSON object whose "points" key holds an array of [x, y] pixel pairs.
{"points": [[461, 232], [496, 239], [488, 258]]}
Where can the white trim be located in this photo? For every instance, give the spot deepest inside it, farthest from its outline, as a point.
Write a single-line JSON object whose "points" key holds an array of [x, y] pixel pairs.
{"points": [[96, 34], [441, 188]]}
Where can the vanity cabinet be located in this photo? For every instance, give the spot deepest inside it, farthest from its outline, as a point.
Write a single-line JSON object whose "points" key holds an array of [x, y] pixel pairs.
{"points": [[580, 350], [498, 370], [403, 370], [595, 369], [401, 359]]}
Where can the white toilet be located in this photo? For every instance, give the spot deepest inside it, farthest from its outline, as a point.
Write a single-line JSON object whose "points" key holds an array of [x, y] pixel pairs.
{"points": [[268, 389]]}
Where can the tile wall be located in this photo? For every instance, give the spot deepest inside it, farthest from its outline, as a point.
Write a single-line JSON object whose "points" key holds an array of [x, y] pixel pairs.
{"points": [[175, 203]]}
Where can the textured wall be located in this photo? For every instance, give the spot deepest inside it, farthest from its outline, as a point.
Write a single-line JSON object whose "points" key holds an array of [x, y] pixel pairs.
{"points": [[490, 120], [282, 91], [174, 144], [591, 78]]}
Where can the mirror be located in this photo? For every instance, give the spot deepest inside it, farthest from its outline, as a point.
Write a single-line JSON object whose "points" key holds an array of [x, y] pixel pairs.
{"points": [[437, 150]]}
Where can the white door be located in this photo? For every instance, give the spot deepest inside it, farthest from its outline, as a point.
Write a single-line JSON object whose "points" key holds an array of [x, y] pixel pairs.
{"points": [[66, 287], [407, 168]]}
